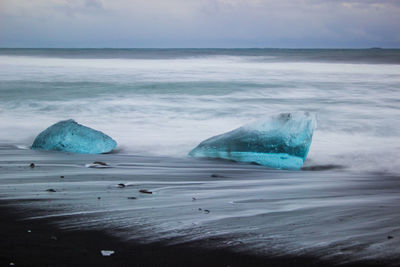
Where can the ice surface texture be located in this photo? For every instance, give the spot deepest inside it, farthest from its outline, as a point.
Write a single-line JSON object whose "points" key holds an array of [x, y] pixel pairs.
{"points": [[280, 142], [69, 136]]}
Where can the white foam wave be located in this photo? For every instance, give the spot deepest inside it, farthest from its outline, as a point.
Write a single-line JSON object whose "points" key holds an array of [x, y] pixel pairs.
{"points": [[168, 106]]}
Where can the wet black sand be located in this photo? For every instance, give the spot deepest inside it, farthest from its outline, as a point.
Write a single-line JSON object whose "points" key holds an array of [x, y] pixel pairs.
{"points": [[40, 243], [255, 216]]}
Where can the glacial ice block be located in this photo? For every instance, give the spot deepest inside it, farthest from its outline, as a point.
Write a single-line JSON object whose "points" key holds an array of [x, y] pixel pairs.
{"points": [[281, 142], [69, 136]]}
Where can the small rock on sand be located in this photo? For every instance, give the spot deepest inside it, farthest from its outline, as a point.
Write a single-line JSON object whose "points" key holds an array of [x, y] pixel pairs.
{"points": [[51, 190], [98, 164], [32, 165], [217, 176], [144, 191]]}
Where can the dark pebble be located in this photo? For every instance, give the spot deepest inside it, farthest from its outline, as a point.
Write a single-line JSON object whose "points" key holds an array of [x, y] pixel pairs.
{"points": [[206, 211], [217, 176], [62, 176], [32, 165], [121, 185], [99, 198], [389, 237], [100, 163], [144, 191], [51, 190], [131, 197], [194, 199]]}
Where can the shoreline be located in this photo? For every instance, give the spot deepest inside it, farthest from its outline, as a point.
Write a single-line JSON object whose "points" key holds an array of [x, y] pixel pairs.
{"points": [[199, 213], [37, 242]]}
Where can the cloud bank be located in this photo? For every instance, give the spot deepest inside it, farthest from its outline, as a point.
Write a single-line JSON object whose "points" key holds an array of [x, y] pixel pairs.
{"points": [[199, 23]]}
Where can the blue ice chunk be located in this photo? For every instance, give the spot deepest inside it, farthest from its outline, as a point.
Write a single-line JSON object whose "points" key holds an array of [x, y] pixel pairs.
{"points": [[280, 142], [69, 136]]}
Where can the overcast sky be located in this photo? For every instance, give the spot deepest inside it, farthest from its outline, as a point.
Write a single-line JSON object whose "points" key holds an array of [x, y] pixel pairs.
{"points": [[200, 23]]}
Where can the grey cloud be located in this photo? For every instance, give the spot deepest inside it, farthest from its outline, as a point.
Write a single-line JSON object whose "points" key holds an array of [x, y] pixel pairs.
{"points": [[194, 23], [94, 4]]}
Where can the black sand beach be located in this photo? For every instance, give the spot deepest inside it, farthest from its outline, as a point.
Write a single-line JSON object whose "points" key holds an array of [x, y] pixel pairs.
{"points": [[199, 213], [46, 245], [40, 243]]}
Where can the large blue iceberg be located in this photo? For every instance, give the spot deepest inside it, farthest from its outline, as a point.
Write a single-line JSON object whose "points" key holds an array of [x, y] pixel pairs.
{"points": [[69, 136], [281, 142]]}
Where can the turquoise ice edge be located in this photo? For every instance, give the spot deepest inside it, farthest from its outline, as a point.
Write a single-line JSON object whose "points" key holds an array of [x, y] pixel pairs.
{"points": [[70, 136], [280, 142], [276, 161]]}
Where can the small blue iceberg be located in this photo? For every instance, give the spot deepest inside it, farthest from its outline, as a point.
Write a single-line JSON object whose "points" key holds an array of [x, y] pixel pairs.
{"points": [[280, 142], [69, 136]]}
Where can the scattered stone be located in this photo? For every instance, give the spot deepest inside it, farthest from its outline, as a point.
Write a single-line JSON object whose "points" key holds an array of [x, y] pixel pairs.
{"points": [[121, 185], [100, 163], [389, 237], [200, 209], [99, 198], [194, 199], [217, 176], [107, 253], [206, 211], [131, 197], [32, 165], [62, 176], [144, 191], [51, 190], [97, 164], [53, 237]]}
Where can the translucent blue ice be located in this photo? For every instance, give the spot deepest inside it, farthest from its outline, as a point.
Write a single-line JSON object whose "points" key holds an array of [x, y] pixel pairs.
{"points": [[69, 136], [280, 142]]}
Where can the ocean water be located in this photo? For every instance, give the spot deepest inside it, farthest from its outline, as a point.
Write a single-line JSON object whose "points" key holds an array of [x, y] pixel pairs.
{"points": [[165, 102], [159, 104]]}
